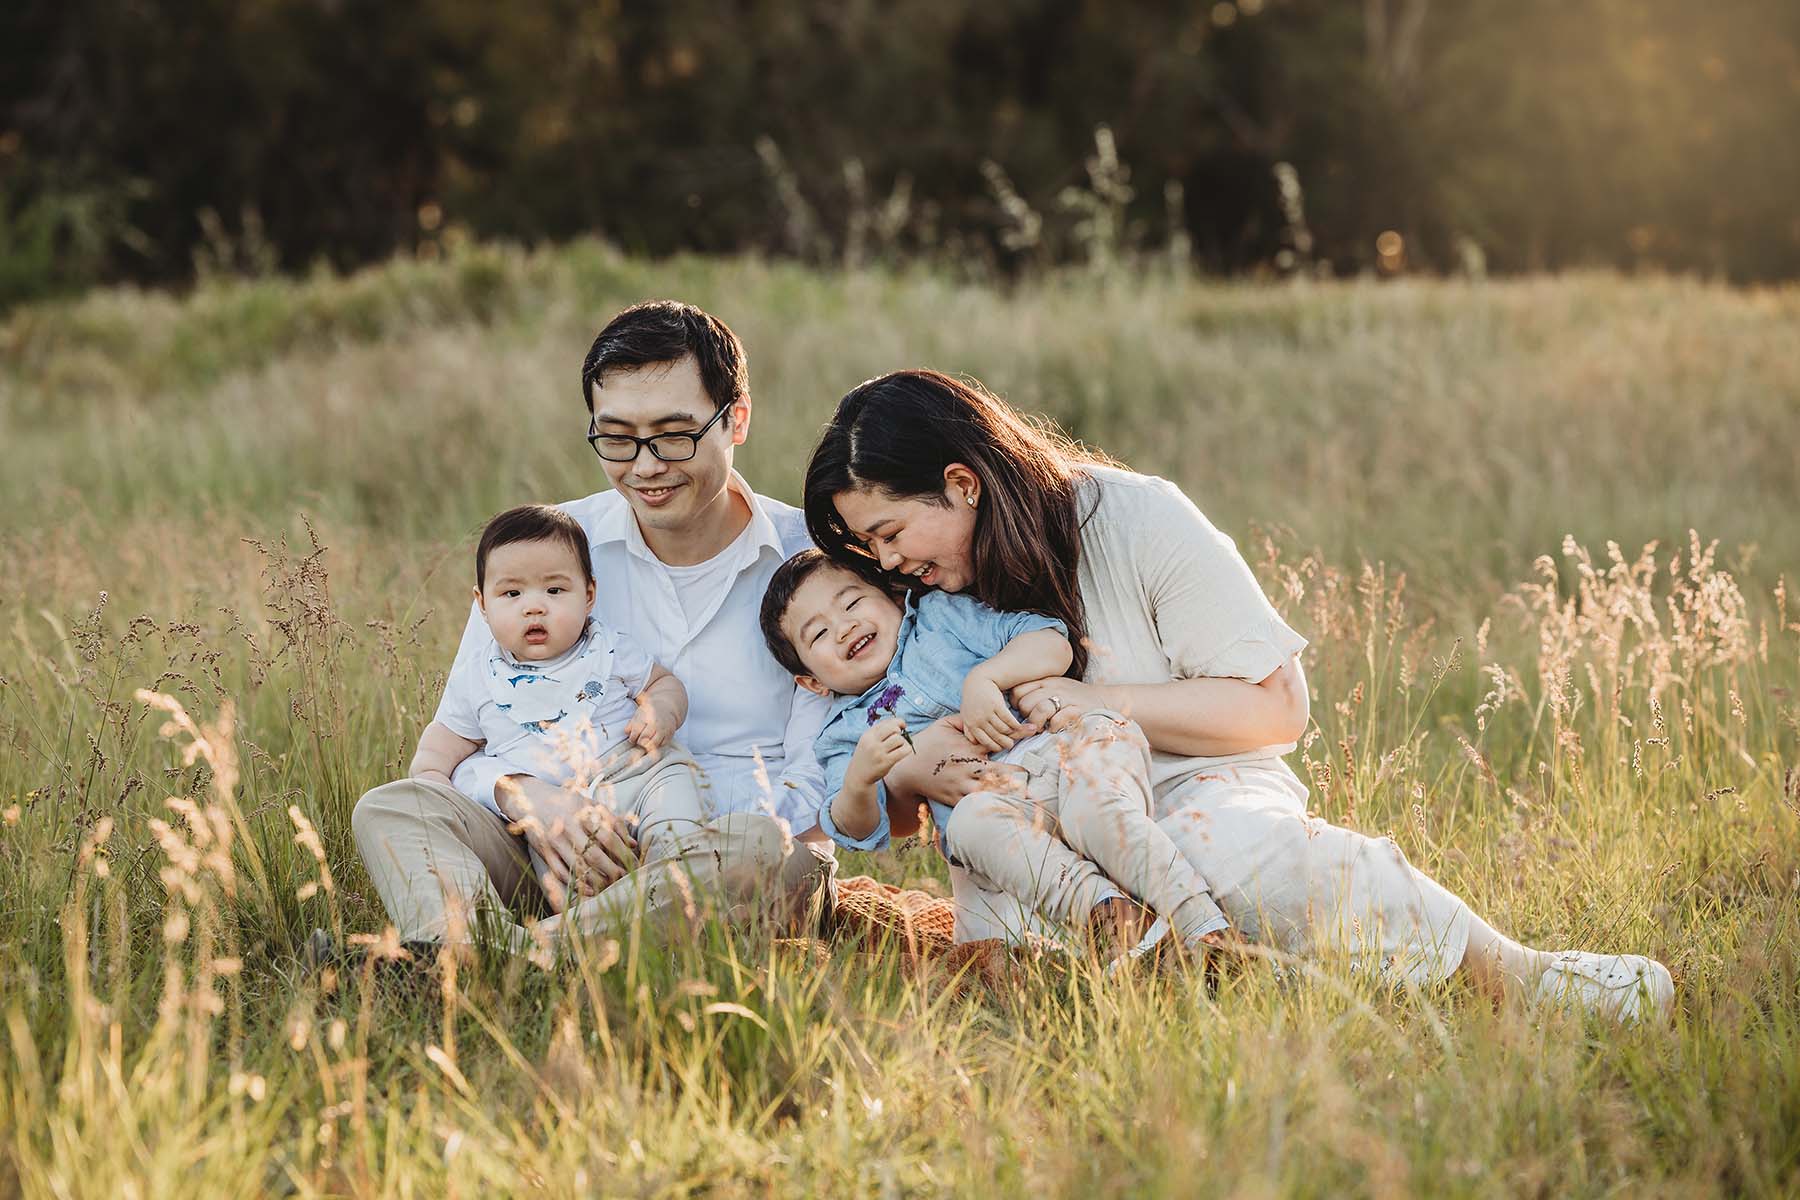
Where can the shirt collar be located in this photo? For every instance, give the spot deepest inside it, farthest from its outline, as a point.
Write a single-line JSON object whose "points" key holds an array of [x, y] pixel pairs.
{"points": [[620, 524], [909, 619], [843, 704], [590, 632]]}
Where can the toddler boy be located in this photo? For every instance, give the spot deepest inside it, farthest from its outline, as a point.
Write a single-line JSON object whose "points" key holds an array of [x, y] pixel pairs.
{"points": [[893, 670]]}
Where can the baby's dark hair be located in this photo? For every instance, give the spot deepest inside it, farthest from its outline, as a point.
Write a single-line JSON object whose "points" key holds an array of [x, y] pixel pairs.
{"points": [[780, 593], [532, 523]]}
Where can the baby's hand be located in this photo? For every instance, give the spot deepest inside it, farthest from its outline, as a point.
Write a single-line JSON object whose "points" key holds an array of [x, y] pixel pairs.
{"points": [[651, 727], [876, 753], [987, 719]]}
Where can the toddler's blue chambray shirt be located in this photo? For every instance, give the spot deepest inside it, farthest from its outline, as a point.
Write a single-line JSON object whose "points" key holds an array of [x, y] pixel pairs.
{"points": [[942, 637]]}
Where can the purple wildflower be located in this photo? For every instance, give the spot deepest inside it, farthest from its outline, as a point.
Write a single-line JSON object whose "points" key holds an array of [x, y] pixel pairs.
{"points": [[888, 700], [887, 704]]}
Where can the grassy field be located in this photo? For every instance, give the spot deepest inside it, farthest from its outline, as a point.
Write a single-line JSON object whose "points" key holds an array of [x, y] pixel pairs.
{"points": [[258, 501]]}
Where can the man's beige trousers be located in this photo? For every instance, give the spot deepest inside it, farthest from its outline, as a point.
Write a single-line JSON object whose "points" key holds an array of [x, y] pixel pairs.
{"points": [[436, 858]]}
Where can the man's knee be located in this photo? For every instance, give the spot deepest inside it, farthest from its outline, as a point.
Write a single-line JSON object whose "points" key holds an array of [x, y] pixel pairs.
{"points": [[761, 863], [751, 852], [751, 839], [401, 805], [381, 807]]}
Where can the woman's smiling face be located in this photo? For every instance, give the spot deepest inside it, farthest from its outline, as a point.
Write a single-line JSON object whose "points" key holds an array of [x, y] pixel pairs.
{"points": [[932, 542]]}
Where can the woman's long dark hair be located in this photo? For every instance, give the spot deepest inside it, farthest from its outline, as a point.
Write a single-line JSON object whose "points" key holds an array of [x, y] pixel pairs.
{"points": [[896, 434]]}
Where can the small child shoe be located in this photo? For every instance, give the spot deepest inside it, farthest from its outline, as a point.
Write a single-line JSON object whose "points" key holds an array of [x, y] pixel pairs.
{"points": [[1625, 987]]}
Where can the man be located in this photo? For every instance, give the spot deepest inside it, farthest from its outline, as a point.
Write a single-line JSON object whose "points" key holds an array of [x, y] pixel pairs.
{"points": [[682, 550]]}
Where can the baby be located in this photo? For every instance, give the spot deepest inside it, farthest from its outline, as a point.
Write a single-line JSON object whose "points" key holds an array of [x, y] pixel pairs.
{"points": [[562, 699], [894, 670]]}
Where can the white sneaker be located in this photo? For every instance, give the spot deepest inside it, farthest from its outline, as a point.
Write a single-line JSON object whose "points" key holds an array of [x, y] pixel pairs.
{"points": [[1626, 987], [1159, 929]]}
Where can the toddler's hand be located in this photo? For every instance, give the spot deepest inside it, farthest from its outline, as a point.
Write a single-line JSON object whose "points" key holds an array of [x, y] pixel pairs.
{"points": [[988, 720], [876, 753]]}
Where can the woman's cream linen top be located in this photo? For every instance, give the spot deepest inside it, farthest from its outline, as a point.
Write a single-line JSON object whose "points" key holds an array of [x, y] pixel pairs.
{"points": [[1169, 597]]}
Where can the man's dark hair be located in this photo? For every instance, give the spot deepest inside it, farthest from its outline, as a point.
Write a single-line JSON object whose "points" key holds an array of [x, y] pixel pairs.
{"points": [[666, 331], [780, 593], [532, 523]]}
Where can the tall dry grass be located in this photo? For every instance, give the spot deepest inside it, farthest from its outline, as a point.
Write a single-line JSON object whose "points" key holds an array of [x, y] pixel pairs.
{"points": [[1595, 745]]}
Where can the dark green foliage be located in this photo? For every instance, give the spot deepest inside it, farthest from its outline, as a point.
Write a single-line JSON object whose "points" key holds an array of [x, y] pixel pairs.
{"points": [[153, 140]]}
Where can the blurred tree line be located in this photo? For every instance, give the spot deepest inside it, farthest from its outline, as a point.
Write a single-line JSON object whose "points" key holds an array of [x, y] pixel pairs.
{"points": [[151, 140]]}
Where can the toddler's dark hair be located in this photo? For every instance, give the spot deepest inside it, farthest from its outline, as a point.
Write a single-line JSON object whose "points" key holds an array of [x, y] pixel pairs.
{"points": [[532, 523], [780, 593]]}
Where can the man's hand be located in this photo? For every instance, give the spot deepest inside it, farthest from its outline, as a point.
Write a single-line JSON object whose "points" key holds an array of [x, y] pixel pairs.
{"points": [[877, 750], [988, 720], [584, 846], [1058, 702]]}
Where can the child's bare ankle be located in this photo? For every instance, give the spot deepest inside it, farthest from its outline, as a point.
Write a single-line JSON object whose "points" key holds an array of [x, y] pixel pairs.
{"points": [[1117, 924]]}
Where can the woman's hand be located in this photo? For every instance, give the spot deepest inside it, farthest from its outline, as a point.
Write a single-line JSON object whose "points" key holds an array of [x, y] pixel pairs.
{"points": [[1058, 702], [944, 766]]}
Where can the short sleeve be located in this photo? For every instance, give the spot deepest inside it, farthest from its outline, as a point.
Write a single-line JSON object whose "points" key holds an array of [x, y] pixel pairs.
{"points": [[983, 631], [459, 710], [878, 837], [1212, 618], [477, 776], [631, 662]]}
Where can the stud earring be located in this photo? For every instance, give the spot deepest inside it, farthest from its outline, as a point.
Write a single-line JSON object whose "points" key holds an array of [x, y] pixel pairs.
{"points": [[971, 499]]}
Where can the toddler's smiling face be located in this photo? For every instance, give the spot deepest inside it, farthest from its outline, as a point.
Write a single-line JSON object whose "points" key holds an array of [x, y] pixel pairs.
{"points": [[844, 630]]}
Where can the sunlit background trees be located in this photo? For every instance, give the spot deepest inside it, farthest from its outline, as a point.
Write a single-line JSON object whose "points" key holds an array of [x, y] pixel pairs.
{"points": [[150, 140]]}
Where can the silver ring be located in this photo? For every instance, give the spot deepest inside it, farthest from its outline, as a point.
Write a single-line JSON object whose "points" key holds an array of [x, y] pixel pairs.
{"points": [[1057, 702]]}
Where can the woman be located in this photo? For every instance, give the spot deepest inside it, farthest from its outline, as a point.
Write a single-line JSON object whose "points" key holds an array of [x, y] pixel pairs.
{"points": [[938, 482]]}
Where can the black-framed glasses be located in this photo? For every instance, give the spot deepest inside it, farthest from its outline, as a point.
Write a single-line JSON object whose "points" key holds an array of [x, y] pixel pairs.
{"points": [[669, 447]]}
